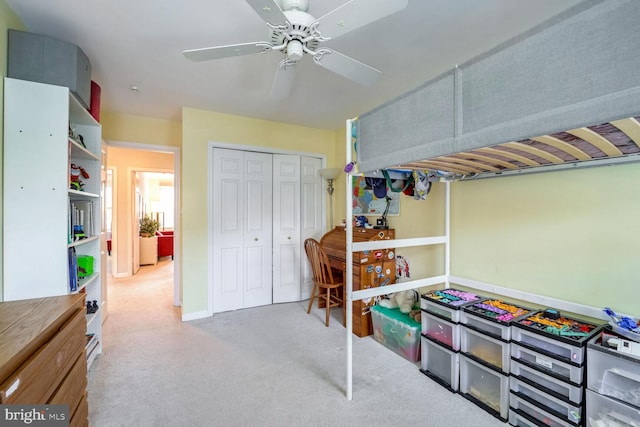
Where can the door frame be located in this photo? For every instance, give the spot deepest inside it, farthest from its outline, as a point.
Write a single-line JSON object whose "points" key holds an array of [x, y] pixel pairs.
{"points": [[177, 259], [244, 147]]}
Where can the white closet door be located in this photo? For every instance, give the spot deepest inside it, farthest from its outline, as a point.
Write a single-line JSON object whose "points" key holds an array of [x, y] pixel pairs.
{"points": [[286, 228], [228, 230], [242, 229], [311, 216], [258, 239]]}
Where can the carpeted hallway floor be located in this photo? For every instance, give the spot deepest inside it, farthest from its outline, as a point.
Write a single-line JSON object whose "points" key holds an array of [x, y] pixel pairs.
{"points": [[267, 366]]}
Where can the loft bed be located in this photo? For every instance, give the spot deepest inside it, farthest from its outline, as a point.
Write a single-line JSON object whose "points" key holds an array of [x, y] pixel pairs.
{"points": [[607, 143], [563, 95]]}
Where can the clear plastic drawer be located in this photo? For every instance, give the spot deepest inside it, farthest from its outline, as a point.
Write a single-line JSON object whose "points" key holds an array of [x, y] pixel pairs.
{"points": [[613, 373], [552, 347], [483, 348], [564, 410], [494, 329], [604, 411], [440, 364], [527, 410], [547, 383], [548, 365], [441, 330], [485, 387]]}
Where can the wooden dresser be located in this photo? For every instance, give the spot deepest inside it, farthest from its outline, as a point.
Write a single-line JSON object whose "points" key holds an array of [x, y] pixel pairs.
{"points": [[370, 268], [42, 353]]}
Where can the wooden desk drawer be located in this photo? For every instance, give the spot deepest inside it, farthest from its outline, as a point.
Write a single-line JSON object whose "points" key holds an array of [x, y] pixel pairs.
{"points": [[36, 380]]}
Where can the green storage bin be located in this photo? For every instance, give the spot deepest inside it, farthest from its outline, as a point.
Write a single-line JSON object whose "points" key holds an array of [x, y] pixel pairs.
{"points": [[85, 265]]}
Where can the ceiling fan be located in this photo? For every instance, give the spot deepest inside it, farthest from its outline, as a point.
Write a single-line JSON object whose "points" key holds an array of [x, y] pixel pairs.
{"points": [[295, 33]]}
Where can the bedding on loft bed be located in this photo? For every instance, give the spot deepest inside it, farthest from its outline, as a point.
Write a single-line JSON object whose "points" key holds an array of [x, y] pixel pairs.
{"points": [[564, 94]]}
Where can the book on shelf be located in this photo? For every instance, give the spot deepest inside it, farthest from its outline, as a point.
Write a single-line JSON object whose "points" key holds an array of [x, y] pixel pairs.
{"points": [[82, 219], [73, 270]]}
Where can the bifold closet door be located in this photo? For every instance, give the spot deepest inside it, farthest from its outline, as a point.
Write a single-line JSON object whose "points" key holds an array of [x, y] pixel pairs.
{"points": [[286, 228], [242, 229]]}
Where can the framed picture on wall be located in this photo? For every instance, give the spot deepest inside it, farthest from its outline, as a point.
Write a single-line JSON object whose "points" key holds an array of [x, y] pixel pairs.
{"points": [[370, 197]]}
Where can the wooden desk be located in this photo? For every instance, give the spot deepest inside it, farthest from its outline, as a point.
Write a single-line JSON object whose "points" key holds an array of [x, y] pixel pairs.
{"points": [[370, 268]]}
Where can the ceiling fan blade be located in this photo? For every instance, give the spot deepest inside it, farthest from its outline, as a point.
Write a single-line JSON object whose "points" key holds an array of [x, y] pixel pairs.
{"points": [[347, 67], [269, 11], [219, 52], [355, 14], [283, 82]]}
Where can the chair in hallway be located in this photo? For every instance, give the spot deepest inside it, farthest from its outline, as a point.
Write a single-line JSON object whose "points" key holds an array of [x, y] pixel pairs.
{"points": [[324, 287]]}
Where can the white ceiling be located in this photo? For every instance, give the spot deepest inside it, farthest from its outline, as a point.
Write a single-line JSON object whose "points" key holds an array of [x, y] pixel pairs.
{"points": [[140, 42]]}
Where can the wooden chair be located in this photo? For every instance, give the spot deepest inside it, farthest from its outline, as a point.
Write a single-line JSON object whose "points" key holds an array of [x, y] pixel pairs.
{"points": [[324, 287]]}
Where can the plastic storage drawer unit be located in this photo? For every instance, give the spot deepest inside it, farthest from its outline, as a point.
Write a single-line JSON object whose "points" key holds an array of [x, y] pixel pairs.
{"points": [[485, 349], [493, 317], [440, 364], [550, 366], [529, 411], [485, 387], [440, 330], [613, 373], [547, 383], [564, 410], [446, 303], [604, 411], [396, 331], [558, 336]]}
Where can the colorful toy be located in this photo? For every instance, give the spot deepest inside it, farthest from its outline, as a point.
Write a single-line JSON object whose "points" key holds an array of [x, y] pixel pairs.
{"points": [[74, 177]]}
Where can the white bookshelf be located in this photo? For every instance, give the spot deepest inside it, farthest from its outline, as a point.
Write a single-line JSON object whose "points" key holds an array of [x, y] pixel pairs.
{"points": [[37, 196]]}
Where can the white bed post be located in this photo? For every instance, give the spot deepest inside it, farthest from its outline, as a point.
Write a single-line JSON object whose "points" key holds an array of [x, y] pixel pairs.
{"points": [[447, 232], [349, 268]]}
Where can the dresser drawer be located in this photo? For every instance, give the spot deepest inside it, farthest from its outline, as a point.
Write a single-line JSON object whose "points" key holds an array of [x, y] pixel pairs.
{"points": [[80, 417], [40, 375], [73, 385]]}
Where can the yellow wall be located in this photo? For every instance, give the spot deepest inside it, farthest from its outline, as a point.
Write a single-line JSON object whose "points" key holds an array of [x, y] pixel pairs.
{"points": [[124, 161], [146, 130], [198, 129], [572, 235], [8, 20]]}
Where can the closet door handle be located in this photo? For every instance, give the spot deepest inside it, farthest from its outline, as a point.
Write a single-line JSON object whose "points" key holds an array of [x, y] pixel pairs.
{"points": [[255, 238], [289, 237]]}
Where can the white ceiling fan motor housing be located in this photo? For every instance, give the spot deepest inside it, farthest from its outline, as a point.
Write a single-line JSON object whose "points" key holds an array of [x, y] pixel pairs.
{"points": [[293, 38]]}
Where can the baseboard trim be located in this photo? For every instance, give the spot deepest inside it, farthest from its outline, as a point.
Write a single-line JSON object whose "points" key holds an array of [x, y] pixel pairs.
{"points": [[195, 316]]}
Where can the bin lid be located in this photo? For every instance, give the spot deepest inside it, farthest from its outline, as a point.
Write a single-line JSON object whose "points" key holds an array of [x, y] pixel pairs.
{"points": [[395, 314]]}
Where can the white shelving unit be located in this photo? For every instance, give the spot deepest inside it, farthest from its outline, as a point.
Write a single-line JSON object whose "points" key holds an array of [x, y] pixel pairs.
{"points": [[37, 196]]}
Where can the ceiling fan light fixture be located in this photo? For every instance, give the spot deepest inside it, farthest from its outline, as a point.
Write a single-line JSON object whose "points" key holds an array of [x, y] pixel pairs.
{"points": [[294, 50], [302, 5]]}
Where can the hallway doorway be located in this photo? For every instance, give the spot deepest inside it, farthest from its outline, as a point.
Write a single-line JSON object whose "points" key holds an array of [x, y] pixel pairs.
{"points": [[127, 160]]}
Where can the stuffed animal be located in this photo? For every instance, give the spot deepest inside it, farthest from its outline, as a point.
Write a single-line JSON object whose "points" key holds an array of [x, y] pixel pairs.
{"points": [[404, 300]]}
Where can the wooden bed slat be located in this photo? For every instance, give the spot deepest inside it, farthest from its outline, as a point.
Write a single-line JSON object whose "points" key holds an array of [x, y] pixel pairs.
{"points": [[563, 146], [477, 165], [597, 140], [510, 155], [444, 163], [630, 127], [535, 151], [489, 159]]}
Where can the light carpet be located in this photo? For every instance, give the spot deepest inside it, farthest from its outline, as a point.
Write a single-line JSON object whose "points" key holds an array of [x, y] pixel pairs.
{"points": [[268, 366]]}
